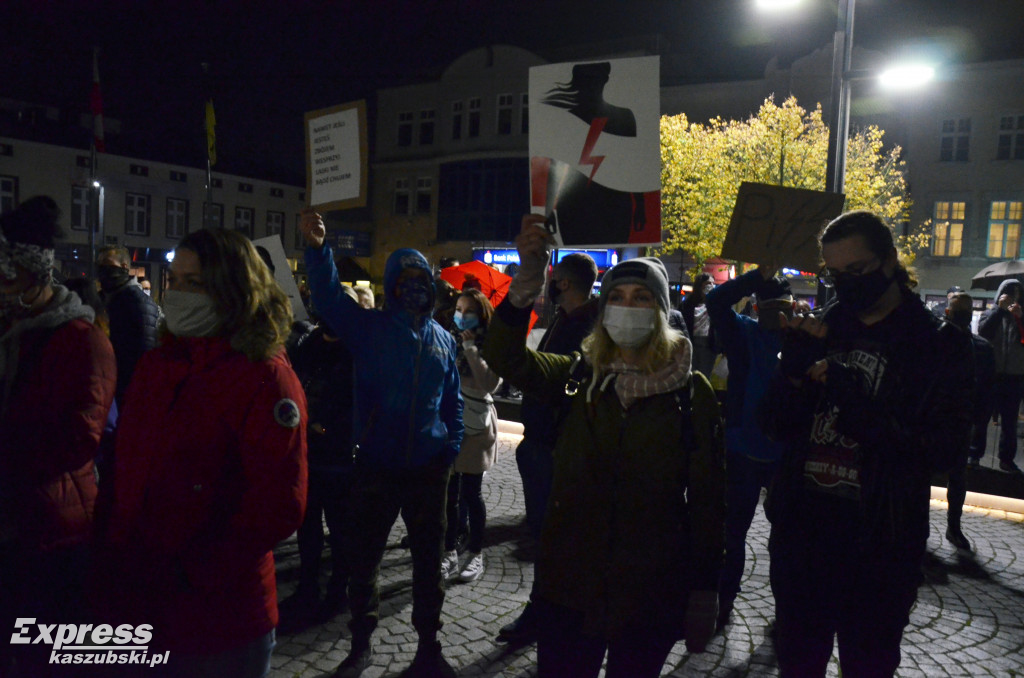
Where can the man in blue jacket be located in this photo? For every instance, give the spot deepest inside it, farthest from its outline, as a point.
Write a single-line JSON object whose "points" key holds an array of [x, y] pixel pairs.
{"points": [[407, 430], [752, 347]]}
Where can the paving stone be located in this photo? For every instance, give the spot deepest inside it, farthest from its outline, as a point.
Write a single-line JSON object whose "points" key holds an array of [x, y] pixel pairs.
{"points": [[967, 621]]}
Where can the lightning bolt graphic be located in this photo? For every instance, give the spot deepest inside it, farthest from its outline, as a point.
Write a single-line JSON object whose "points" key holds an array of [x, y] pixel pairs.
{"points": [[596, 127]]}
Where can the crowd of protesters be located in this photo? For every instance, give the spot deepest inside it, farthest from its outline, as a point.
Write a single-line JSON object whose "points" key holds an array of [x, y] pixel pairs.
{"points": [[152, 457]]}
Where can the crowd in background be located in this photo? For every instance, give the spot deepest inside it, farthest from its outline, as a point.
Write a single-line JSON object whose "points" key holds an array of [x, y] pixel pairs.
{"points": [[151, 457]]}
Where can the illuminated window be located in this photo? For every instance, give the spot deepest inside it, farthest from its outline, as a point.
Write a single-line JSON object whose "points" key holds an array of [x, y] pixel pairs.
{"points": [[948, 229], [1004, 229]]}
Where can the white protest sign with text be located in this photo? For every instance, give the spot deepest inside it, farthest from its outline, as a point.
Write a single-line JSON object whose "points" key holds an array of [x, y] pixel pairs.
{"points": [[283, 273], [336, 174]]}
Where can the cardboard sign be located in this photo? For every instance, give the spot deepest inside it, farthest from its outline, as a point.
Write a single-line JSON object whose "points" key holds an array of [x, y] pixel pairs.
{"points": [[779, 225], [595, 151], [336, 171], [283, 273]]}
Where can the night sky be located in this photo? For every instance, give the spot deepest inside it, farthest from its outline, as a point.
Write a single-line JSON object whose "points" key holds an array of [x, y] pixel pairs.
{"points": [[272, 61]]}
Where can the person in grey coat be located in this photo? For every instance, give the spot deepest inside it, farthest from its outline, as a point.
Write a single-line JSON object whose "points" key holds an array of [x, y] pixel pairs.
{"points": [[1003, 327]]}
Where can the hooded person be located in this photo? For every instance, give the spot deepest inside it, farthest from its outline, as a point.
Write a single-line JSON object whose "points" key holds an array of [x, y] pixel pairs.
{"points": [[407, 430], [1003, 326], [631, 544], [752, 459], [57, 377]]}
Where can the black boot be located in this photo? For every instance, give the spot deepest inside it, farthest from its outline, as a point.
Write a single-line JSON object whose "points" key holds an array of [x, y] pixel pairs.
{"points": [[429, 662], [357, 661], [522, 631]]}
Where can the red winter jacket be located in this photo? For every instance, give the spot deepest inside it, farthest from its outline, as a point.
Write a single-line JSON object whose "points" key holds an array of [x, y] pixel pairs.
{"points": [[55, 415], [210, 474]]}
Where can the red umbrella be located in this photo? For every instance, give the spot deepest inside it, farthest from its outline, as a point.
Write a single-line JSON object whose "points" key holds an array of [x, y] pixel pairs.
{"points": [[492, 282]]}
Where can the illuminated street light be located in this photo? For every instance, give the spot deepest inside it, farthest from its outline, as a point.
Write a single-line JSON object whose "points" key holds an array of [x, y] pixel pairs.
{"points": [[906, 76]]}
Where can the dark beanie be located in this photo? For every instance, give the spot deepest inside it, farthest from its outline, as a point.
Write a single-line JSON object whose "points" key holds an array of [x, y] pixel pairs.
{"points": [[773, 288], [646, 271]]}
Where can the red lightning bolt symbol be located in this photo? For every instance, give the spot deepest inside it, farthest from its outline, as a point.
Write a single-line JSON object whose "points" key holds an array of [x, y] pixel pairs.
{"points": [[596, 127]]}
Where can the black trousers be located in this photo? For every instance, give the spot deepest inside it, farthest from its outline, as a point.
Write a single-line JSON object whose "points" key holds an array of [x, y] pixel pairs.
{"points": [[465, 496], [327, 499], [828, 587], [565, 651], [378, 497]]}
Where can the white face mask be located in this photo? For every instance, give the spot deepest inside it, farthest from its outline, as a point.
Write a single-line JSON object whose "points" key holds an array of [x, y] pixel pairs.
{"points": [[190, 314], [628, 326]]}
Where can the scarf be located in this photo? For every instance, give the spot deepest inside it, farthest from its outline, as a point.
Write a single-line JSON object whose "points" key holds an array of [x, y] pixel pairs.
{"points": [[632, 384]]}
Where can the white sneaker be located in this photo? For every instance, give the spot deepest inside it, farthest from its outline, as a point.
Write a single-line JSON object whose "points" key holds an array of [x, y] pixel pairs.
{"points": [[449, 565], [473, 569]]}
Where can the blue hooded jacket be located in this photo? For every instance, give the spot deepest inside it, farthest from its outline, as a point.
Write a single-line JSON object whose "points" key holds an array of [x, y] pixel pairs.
{"points": [[408, 409]]}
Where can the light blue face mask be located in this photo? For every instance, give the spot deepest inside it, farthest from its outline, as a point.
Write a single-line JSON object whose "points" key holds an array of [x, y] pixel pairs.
{"points": [[469, 321], [190, 314]]}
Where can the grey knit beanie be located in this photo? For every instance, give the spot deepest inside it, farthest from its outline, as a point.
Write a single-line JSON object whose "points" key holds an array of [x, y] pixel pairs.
{"points": [[646, 271]]}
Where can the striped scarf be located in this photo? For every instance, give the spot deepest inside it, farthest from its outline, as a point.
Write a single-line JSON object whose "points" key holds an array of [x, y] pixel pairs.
{"points": [[631, 384]]}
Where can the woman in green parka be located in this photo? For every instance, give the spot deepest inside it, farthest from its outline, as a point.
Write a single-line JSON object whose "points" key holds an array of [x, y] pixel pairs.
{"points": [[633, 535]]}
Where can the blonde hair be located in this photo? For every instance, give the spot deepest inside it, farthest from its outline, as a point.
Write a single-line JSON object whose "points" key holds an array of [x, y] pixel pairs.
{"points": [[256, 314], [600, 351]]}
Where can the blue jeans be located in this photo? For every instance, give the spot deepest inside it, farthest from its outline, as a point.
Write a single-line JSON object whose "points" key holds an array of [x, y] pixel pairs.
{"points": [[746, 477], [536, 468], [251, 660]]}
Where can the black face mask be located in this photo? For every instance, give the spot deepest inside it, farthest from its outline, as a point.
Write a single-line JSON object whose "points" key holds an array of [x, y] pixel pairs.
{"points": [[961, 319], [111, 277], [861, 292], [554, 292]]}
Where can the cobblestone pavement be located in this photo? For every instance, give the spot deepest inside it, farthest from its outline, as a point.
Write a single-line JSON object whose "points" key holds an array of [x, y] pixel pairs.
{"points": [[968, 620]]}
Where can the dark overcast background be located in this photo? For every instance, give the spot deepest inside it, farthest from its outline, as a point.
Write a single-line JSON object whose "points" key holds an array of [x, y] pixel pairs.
{"points": [[272, 61]]}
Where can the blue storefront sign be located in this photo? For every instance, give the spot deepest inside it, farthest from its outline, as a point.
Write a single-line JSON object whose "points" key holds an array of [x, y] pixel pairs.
{"points": [[349, 243], [603, 258]]}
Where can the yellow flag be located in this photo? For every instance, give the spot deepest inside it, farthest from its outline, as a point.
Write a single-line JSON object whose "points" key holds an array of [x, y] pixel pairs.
{"points": [[211, 134]]}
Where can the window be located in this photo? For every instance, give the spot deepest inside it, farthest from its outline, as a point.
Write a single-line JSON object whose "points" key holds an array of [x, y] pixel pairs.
{"points": [[481, 199], [457, 109], [426, 127], [1011, 138], [139, 170], [504, 114], [524, 114], [177, 218], [277, 193], [179, 176], [474, 118], [216, 183], [401, 204], [8, 193], [956, 138], [244, 187], [948, 229], [275, 223], [6, 149], [243, 220], [405, 129], [424, 195], [136, 214], [83, 161], [213, 215], [80, 208], [1004, 229]]}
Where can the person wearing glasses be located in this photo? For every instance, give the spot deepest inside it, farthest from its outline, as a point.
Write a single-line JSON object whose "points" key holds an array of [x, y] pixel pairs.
{"points": [[873, 397]]}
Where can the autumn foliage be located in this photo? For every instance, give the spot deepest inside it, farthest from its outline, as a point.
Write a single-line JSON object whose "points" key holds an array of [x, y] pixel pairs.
{"points": [[703, 165]]}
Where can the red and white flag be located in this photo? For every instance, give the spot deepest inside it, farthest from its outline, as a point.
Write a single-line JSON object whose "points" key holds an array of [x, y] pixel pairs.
{"points": [[96, 104]]}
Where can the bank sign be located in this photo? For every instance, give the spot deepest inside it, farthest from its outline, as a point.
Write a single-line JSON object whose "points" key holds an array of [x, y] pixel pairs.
{"points": [[603, 258]]}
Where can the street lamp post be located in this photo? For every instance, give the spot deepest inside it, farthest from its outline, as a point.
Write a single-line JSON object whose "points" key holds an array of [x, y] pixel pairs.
{"points": [[839, 109]]}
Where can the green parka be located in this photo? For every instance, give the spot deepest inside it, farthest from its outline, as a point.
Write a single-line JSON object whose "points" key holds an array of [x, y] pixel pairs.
{"points": [[635, 520]]}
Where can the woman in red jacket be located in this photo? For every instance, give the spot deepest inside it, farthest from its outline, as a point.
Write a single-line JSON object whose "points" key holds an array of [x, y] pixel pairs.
{"points": [[210, 465], [57, 376]]}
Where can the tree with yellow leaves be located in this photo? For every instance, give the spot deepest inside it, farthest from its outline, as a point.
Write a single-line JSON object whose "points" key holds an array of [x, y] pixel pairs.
{"points": [[703, 165]]}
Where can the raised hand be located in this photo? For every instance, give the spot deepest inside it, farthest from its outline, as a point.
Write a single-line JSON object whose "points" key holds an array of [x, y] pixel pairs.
{"points": [[311, 225]]}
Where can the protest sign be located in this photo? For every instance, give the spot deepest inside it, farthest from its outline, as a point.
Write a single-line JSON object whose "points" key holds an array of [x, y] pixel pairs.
{"points": [[780, 225], [336, 156], [595, 151], [283, 273]]}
